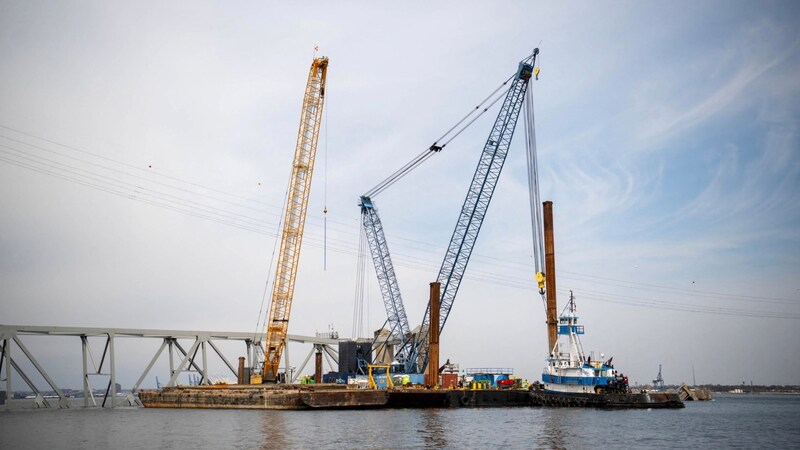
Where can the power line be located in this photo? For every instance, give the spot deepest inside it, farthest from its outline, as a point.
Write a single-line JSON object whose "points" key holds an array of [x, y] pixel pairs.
{"points": [[147, 195], [132, 166]]}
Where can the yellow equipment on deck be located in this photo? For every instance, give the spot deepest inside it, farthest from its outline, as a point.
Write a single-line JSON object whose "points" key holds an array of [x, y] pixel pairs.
{"points": [[372, 383]]}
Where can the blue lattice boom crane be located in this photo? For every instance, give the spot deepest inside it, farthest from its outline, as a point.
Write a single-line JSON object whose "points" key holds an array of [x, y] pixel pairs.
{"points": [[413, 353], [476, 204], [397, 321]]}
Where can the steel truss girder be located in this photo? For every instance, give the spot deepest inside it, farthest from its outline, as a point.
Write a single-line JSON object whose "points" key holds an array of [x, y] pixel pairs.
{"points": [[330, 356], [39, 400], [185, 361], [62, 399], [475, 206], [12, 333]]}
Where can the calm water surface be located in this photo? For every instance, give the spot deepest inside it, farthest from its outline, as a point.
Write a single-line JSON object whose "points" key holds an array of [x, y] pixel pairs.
{"points": [[743, 421]]}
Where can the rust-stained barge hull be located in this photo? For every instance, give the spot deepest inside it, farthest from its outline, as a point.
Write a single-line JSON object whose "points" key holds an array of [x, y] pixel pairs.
{"points": [[345, 399], [340, 397], [326, 397], [224, 397]]}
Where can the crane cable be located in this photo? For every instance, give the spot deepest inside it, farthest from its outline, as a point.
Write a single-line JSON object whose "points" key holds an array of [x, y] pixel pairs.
{"points": [[358, 303], [261, 326], [537, 229], [436, 146], [325, 194]]}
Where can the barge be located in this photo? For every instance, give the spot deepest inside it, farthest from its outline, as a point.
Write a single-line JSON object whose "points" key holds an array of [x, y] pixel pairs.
{"points": [[299, 397]]}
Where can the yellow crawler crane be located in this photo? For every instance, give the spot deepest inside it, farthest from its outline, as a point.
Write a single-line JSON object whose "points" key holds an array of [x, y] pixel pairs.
{"points": [[294, 218]]}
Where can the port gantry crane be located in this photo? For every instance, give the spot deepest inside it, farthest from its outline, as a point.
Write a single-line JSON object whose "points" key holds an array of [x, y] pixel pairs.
{"points": [[413, 352], [294, 218]]}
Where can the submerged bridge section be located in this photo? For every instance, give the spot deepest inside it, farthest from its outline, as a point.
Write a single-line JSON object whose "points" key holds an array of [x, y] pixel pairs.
{"points": [[187, 352]]}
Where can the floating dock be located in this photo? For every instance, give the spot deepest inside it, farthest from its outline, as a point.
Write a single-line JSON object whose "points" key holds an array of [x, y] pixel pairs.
{"points": [[323, 396], [298, 397]]}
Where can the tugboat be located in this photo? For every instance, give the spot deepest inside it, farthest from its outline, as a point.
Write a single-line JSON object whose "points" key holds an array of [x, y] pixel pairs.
{"points": [[573, 379]]}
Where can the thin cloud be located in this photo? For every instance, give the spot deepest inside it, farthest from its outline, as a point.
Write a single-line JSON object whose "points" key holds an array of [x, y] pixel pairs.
{"points": [[720, 99]]}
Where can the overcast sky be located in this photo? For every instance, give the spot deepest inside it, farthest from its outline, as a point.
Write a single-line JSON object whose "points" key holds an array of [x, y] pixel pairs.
{"points": [[145, 149]]}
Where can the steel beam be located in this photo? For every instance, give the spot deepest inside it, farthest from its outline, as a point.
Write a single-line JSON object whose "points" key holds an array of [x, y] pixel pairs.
{"points": [[148, 333], [131, 400], [286, 367], [327, 358], [105, 395], [88, 394], [7, 359], [191, 360], [112, 361], [62, 400], [205, 379], [39, 401], [186, 362], [305, 361], [86, 389], [333, 352], [222, 357], [330, 353], [248, 344], [103, 357], [183, 363], [171, 357]]}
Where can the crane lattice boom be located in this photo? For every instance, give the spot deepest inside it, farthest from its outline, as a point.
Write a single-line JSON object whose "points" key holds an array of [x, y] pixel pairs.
{"points": [[397, 320], [413, 352], [294, 218], [476, 204]]}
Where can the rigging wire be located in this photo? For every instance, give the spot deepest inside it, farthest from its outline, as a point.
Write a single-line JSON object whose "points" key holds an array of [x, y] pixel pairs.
{"points": [[358, 303], [262, 328], [122, 163], [476, 274], [534, 197], [672, 306], [436, 147], [126, 174], [133, 196], [325, 191], [101, 183], [136, 193], [415, 260], [136, 189]]}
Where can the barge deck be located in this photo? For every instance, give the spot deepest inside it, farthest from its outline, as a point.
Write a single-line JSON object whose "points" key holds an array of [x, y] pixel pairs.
{"points": [[298, 397]]}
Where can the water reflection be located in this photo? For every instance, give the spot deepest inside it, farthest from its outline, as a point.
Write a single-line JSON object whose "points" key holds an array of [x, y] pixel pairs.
{"points": [[274, 430], [554, 429], [432, 428]]}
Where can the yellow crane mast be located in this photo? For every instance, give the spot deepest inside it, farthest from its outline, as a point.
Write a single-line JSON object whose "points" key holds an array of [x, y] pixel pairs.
{"points": [[294, 218]]}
